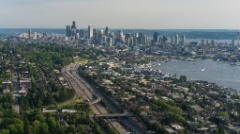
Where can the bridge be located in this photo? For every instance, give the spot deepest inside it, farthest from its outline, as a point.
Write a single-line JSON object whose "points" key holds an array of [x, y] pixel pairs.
{"points": [[73, 71], [124, 115], [95, 101]]}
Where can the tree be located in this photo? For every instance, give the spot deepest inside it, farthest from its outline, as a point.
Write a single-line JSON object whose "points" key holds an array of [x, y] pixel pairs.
{"points": [[137, 111], [52, 123], [82, 129], [36, 127], [27, 129], [70, 129], [183, 78]]}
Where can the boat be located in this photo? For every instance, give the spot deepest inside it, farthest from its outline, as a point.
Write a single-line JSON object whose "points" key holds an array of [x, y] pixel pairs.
{"points": [[202, 70]]}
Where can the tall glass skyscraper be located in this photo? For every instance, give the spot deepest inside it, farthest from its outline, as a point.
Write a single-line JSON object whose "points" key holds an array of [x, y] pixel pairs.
{"points": [[90, 31]]}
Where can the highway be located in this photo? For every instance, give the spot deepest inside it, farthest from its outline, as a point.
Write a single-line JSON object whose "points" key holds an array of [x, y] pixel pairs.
{"points": [[93, 93], [82, 90]]}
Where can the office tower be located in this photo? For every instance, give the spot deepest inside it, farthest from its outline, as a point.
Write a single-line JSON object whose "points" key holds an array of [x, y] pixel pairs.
{"points": [[136, 35], [128, 39], [109, 41], [111, 34], [35, 35], [156, 37], [101, 32], [233, 42], [82, 33], [100, 37], [172, 39], [30, 34], [68, 31], [176, 39], [95, 30], [76, 36], [45, 34], [213, 42], [90, 31], [73, 25], [121, 36], [107, 31], [38, 36], [104, 39], [95, 38], [203, 42], [73, 32], [183, 39], [142, 39]]}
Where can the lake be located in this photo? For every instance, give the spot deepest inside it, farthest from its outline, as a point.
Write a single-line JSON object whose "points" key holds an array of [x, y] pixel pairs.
{"points": [[223, 74]]}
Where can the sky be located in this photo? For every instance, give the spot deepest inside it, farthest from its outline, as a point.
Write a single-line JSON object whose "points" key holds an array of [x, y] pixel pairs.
{"points": [[132, 14]]}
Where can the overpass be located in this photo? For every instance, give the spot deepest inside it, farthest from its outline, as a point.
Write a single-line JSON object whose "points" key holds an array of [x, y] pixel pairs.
{"points": [[124, 115], [95, 101]]}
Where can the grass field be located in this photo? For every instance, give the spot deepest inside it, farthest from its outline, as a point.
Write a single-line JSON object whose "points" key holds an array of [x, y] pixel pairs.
{"points": [[79, 59]]}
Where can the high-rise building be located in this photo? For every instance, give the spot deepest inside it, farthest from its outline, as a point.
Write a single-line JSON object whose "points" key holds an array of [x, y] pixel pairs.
{"points": [[90, 31], [45, 34], [73, 25], [101, 32], [68, 31], [233, 42], [176, 39], [183, 39], [203, 42], [35, 35], [107, 31], [30, 34], [82, 33], [172, 39], [76, 36], [156, 37], [100, 37], [109, 41]]}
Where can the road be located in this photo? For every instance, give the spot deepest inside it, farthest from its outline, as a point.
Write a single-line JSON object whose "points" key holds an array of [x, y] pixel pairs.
{"points": [[84, 91], [16, 94]]}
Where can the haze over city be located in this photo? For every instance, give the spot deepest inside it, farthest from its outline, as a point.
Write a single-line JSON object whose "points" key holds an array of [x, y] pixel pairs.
{"points": [[141, 14]]}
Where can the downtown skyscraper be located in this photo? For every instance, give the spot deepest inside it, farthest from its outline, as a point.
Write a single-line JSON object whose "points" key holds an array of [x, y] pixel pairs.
{"points": [[90, 31]]}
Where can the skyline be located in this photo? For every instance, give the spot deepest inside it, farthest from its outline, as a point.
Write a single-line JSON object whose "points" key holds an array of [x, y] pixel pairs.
{"points": [[154, 14]]}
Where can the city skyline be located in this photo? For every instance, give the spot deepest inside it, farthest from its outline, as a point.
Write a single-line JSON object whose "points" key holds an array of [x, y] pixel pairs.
{"points": [[161, 14]]}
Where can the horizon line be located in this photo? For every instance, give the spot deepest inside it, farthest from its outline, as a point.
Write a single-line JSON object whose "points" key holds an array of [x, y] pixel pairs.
{"points": [[134, 28]]}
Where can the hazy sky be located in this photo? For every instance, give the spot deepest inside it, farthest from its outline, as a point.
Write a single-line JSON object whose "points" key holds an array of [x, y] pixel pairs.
{"points": [[160, 14]]}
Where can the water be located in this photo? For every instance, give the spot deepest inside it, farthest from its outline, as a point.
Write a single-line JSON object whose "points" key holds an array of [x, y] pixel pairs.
{"points": [[217, 72], [198, 34]]}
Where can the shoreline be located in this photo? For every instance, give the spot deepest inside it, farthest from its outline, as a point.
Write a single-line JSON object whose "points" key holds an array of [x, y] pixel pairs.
{"points": [[154, 67]]}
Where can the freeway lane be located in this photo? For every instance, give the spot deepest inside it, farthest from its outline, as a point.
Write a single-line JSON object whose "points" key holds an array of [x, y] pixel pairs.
{"points": [[82, 90], [130, 123]]}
